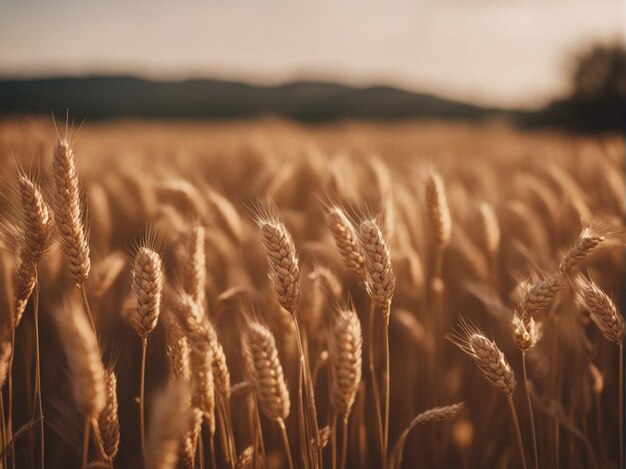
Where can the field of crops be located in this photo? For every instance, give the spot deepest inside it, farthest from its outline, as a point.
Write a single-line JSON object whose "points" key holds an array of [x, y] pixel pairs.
{"points": [[265, 294]]}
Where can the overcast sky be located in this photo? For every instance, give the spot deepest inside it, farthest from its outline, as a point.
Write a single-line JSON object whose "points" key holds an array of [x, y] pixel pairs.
{"points": [[495, 52]]}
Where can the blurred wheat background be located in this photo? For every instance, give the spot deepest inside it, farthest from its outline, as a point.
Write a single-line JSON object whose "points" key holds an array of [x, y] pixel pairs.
{"points": [[475, 219], [325, 235]]}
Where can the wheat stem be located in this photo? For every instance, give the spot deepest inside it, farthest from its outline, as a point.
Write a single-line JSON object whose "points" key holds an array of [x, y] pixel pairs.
{"points": [[303, 430], [620, 397], [142, 431], [10, 406], [38, 370], [517, 429], [212, 451], [258, 434], [283, 433], [387, 390], [4, 430], [530, 410], [333, 441], [372, 366], [200, 450], [87, 308], [344, 441], [86, 434], [308, 397]]}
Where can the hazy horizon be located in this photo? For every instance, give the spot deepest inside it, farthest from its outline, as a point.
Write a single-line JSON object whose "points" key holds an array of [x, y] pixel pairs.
{"points": [[506, 54]]}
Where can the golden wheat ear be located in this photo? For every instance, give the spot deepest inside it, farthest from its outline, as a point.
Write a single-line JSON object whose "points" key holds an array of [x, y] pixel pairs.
{"points": [[431, 415], [147, 285], [381, 280], [346, 240], [345, 343], [108, 425], [67, 208], [265, 372], [282, 258]]}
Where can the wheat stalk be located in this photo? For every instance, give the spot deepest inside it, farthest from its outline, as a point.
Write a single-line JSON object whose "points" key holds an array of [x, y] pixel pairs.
{"points": [[536, 297], [345, 351], [147, 285], [244, 461], [36, 219], [285, 277], [194, 267], [381, 280], [601, 308], [170, 417], [346, 240], [265, 372], [611, 324], [587, 243], [282, 259], [177, 350], [438, 211], [86, 369], [38, 227], [380, 286], [527, 333], [431, 415], [67, 212], [493, 364], [203, 390], [108, 424], [24, 280], [489, 228], [189, 443]]}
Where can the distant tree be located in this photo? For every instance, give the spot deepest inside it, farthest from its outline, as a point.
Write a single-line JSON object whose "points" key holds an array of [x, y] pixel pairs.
{"points": [[597, 94], [600, 73]]}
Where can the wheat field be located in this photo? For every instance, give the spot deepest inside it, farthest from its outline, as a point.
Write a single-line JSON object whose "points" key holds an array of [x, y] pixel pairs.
{"points": [[266, 294]]}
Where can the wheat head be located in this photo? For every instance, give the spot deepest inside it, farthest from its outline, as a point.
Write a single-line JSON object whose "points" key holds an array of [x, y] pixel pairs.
{"points": [[265, 372], [67, 212]]}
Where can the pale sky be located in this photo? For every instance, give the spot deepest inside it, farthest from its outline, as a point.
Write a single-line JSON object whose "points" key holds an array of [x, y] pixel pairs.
{"points": [[491, 52]]}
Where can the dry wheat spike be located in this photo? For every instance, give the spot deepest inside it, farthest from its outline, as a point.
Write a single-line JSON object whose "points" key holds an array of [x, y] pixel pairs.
{"points": [[489, 228], [283, 260], [5, 359], [194, 267], [147, 283], [431, 415], [588, 241], [526, 332], [602, 309], [244, 461], [381, 280], [265, 372], [346, 240], [538, 296], [67, 212], [108, 428], [36, 218], [24, 280], [83, 356], [189, 443], [345, 351], [203, 388], [487, 356], [438, 210]]}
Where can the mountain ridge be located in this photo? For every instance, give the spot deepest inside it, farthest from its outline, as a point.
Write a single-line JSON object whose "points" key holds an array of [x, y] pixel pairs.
{"points": [[113, 96]]}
